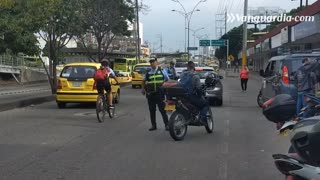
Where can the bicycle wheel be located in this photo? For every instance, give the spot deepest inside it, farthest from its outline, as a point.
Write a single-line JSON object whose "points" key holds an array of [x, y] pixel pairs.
{"points": [[100, 108]]}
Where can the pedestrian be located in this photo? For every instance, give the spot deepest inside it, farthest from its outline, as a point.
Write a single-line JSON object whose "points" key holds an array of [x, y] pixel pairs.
{"points": [[236, 66], [151, 87], [171, 71], [306, 82], [244, 76]]}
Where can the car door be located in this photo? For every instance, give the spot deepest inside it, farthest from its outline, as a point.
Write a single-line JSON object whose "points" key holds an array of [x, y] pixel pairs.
{"points": [[269, 81]]}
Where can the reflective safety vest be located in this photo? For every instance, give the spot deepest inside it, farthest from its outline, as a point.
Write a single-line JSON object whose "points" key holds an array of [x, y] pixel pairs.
{"points": [[154, 81]]}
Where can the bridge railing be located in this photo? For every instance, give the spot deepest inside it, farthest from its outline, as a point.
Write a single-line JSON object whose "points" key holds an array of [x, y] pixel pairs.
{"points": [[10, 60]]}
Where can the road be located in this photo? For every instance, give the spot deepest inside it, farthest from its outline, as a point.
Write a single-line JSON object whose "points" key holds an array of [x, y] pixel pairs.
{"points": [[44, 142]]}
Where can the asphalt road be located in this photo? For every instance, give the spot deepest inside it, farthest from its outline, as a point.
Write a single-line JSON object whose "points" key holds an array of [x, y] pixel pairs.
{"points": [[44, 142]]}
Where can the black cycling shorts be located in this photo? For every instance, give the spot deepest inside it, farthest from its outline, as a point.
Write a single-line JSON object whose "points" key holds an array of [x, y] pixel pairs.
{"points": [[103, 85]]}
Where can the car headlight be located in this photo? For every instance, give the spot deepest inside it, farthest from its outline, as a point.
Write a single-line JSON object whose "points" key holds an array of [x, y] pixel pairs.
{"points": [[216, 88]]}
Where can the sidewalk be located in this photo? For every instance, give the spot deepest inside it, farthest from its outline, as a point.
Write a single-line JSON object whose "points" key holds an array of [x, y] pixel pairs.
{"points": [[252, 74], [14, 95]]}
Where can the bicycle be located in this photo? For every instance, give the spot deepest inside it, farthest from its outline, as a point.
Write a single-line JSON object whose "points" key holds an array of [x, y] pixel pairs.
{"points": [[102, 105]]}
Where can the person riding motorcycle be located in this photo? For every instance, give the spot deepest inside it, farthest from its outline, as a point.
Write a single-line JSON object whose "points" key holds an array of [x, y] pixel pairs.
{"points": [[191, 84], [101, 77]]}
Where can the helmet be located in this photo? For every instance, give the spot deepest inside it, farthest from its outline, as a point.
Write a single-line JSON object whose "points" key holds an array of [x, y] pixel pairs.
{"points": [[171, 63], [104, 62], [210, 81]]}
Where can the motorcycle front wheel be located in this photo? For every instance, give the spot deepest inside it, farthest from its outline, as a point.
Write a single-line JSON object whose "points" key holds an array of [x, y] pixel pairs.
{"points": [[210, 123], [177, 126]]}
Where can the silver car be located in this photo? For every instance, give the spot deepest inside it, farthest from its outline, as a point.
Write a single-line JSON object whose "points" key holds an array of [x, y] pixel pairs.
{"points": [[214, 94]]}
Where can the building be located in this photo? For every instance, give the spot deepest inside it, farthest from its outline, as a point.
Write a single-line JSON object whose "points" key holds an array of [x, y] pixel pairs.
{"points": [[287, 36]]}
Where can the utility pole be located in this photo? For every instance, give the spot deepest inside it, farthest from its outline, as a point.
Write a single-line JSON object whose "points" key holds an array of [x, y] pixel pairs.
{"points": [[244, 43], [138, 32], [161, 43], [225, 32]]}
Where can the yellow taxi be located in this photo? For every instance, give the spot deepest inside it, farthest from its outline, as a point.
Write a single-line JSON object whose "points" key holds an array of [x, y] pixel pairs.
{"points": [[76, 84], [123, 77], [138, 73]]}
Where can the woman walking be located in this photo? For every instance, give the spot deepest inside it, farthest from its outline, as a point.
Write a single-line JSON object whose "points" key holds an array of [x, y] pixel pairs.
{"points": [[244, 76]]}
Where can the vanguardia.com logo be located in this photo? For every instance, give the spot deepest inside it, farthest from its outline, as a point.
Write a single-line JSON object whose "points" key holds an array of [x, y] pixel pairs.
{"points": [[267, 19]]}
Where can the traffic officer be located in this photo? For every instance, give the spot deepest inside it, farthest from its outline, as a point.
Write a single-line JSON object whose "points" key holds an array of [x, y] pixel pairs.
{"points": [[151, 84]]}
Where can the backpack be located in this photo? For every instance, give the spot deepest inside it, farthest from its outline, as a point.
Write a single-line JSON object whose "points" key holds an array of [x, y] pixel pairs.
{"points": [[100, 75], [186, 82]]}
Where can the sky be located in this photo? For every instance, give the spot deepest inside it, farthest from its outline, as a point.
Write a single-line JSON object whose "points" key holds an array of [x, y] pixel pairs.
{"points": [[160, 22]]}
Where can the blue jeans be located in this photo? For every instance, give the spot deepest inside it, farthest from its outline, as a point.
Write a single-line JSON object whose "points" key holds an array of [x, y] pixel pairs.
{"points": [[200, 103], [302, 103]]}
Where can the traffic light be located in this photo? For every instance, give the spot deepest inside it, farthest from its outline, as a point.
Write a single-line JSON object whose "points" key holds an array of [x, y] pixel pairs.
{"points": [[226, 42]]}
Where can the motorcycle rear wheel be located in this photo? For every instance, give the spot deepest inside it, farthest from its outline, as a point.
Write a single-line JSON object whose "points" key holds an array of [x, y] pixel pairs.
{"points": [[177, 126]]}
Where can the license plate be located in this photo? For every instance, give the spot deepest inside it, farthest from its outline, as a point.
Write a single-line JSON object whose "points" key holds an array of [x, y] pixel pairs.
{"points": [[77, 84], [170, 108]]}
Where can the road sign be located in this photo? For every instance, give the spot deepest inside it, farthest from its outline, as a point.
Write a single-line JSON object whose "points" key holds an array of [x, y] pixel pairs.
{"points": [[230, 58], [192, 48], [204, 42], [220, 42]]}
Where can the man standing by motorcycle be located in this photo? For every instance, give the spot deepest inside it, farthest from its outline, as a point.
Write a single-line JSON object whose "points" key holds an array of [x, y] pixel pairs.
{"points": [[306, 82], [191, 84], [151, 87]]}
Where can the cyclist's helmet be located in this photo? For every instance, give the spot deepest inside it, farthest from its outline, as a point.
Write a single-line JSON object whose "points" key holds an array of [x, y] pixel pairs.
{"points": [[104, 63]]}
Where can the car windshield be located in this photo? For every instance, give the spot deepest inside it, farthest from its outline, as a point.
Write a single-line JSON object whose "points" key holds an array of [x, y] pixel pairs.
{"points": [[203, 74], [181, 64], [78, 72], [142, 69]]}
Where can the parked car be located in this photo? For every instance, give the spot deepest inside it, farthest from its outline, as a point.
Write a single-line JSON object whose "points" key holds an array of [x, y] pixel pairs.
{"points": [[213, 94], [139, 70], [277, 76], [180, 66], [123, 77], [76, 84]]}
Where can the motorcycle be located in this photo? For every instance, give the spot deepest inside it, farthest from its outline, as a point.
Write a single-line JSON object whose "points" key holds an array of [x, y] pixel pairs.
{"points": [[183, 113], [302, 161]]}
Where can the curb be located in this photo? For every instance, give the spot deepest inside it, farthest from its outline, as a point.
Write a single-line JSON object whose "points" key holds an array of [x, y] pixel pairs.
{"points": [[26, 102], [35, 100]]}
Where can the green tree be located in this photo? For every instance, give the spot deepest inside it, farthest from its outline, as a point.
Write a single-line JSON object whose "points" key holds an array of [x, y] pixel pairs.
{"points": [[18, 35], [235, 37], [60, 23], [104, 20], [56, 21]]}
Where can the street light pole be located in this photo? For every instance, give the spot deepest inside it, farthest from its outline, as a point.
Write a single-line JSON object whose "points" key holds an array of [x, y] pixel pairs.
{"points": [[194, 35], [244, 43], [188, 17], [138, 32]]}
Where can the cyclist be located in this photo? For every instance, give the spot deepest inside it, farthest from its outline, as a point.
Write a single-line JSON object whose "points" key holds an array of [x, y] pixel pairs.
{"points": [[101, 77]]}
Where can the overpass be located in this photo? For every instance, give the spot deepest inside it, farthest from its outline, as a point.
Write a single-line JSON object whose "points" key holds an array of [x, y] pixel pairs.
{"points": [[14, 66]]}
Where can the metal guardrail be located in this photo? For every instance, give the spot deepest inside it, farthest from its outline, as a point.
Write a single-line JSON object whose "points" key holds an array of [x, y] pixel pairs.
{"points": [[11, 64], [10, 60]]}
